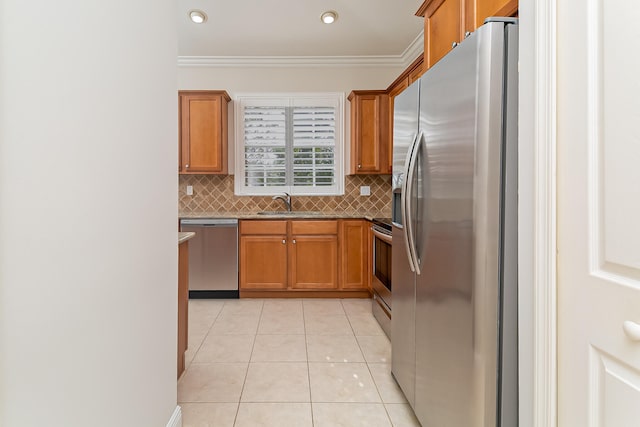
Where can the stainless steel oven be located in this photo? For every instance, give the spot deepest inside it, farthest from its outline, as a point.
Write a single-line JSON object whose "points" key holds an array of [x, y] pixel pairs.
{"points": [[381, 277]]}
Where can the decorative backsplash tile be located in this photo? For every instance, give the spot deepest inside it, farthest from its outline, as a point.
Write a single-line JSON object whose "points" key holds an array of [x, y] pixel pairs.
{"points": [[214, 194]]}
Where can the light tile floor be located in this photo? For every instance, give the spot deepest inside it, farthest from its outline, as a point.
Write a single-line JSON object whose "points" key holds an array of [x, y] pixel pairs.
{"points": [[289, 362]]}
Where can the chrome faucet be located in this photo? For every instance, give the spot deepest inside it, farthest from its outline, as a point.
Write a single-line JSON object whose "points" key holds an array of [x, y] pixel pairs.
{"points": [[286, 199]]}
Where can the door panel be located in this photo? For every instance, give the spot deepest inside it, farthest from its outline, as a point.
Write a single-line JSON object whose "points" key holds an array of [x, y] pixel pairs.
{"points": [[615, 396], [314, 262], [263, 262], [598, 213], [442, 28], [354, 256], [203, 133]]}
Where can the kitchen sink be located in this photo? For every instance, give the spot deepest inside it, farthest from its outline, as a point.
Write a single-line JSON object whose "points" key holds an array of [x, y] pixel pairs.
{"points": [[292, 213]]}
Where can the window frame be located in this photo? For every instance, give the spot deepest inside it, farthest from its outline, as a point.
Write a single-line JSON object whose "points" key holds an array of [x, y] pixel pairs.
{"points": [[311, 99]]}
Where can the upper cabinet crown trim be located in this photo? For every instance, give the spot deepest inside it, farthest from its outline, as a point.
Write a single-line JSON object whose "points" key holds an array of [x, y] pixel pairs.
{"points": [[223, 93], [423, 9]]}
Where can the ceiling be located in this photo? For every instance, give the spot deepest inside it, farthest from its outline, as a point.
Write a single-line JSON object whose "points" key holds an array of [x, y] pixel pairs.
{"points": [[292, 28]]}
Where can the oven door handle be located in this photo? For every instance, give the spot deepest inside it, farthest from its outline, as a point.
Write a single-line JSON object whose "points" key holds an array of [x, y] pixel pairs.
{"points": [[382, 236]]}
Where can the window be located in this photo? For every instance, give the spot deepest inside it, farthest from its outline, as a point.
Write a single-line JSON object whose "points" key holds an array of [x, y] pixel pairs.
{"points": [[289, 143]]}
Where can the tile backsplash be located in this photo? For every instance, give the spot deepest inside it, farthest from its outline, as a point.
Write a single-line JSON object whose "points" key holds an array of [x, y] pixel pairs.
{"points": [[214, 194]]}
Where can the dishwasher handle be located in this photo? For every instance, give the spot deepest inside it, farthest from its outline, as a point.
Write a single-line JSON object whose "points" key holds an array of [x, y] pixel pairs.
{"points": [[209, 222]]}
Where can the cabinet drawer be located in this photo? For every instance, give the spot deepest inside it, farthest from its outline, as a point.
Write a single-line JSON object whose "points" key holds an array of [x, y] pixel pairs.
{"points": [[314, 227], [263, 227]]}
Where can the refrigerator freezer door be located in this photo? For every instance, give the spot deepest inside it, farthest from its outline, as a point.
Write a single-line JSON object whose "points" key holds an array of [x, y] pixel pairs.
{"points": [[457, 292], [403, 279], [405, 131]]}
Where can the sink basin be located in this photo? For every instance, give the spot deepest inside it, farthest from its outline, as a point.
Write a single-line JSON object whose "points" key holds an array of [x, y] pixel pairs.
{"points": [[287, 213]]}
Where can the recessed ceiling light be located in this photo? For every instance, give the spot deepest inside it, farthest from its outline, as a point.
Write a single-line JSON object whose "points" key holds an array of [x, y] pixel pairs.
{"points": [[198, 16], [329, 16]]}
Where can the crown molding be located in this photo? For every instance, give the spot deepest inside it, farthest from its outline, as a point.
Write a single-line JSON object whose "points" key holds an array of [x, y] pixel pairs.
{"points": [[403, 60], [413, 50]]}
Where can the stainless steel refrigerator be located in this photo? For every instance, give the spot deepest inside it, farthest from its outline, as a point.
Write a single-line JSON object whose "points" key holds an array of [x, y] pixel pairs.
{"points": [[454, 254]]}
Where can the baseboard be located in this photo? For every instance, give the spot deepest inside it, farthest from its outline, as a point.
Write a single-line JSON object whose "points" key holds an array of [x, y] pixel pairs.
{"points": [[305, 294], [213, 294], [176, 418]]}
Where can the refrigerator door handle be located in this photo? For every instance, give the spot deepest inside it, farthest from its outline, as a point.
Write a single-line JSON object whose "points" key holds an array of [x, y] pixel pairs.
{"points": [[405, 205], [409, 229]]}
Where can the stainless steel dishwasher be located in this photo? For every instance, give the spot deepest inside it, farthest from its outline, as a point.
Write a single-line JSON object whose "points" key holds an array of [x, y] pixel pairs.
{"points": [[213, 257]]}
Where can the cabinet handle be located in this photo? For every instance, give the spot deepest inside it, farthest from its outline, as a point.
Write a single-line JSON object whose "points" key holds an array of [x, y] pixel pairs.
{"points": [[284, 241], [359, 166], [454, 44], [294, 241], [186, 166], [467, 34]]}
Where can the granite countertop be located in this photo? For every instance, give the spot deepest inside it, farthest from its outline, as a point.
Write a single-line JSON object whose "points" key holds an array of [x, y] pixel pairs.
{"points": [[183, 236], [286, 215]]}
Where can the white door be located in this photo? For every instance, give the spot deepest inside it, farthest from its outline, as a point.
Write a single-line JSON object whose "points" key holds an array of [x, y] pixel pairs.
{"points": [[598, 83]]}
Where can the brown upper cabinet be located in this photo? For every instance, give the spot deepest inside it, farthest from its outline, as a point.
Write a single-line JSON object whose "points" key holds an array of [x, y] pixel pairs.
{"points": [[479, 10], [370, 138], [203, 132], [442, 28], [447, 21], [416, 70], [408, 76]]}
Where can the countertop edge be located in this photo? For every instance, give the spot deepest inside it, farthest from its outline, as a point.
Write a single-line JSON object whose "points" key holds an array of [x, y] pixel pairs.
{"points": [[183, 236], [253, 215]]}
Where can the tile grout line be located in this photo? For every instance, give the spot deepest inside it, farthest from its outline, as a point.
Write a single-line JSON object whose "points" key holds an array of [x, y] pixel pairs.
{"points": [[370, 373], [262, 316], [203, 339], [198, 349], [306, 348], [246, 374]]}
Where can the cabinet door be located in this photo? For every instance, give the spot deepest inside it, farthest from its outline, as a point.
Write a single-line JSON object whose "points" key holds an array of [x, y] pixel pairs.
{"points": [[313, 262], [370, 133], [203, 132], [478, 10], [263, 262], [354, 254], [416, 72], [442, 29]]}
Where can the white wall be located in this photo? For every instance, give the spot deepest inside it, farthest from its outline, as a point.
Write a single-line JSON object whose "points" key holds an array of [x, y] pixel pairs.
{"points": [[88, 213], [286, 79]]}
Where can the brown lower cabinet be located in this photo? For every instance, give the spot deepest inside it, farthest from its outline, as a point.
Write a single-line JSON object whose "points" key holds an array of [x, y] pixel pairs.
{"points": [[263, 255], [183, 303], [355, 254], [303, 258], [313, 255]]}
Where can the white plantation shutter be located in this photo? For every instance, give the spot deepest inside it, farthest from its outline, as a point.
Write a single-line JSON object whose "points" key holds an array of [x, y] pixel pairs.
{"points": [[265, 136], [289, 143], [314, 143]]}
